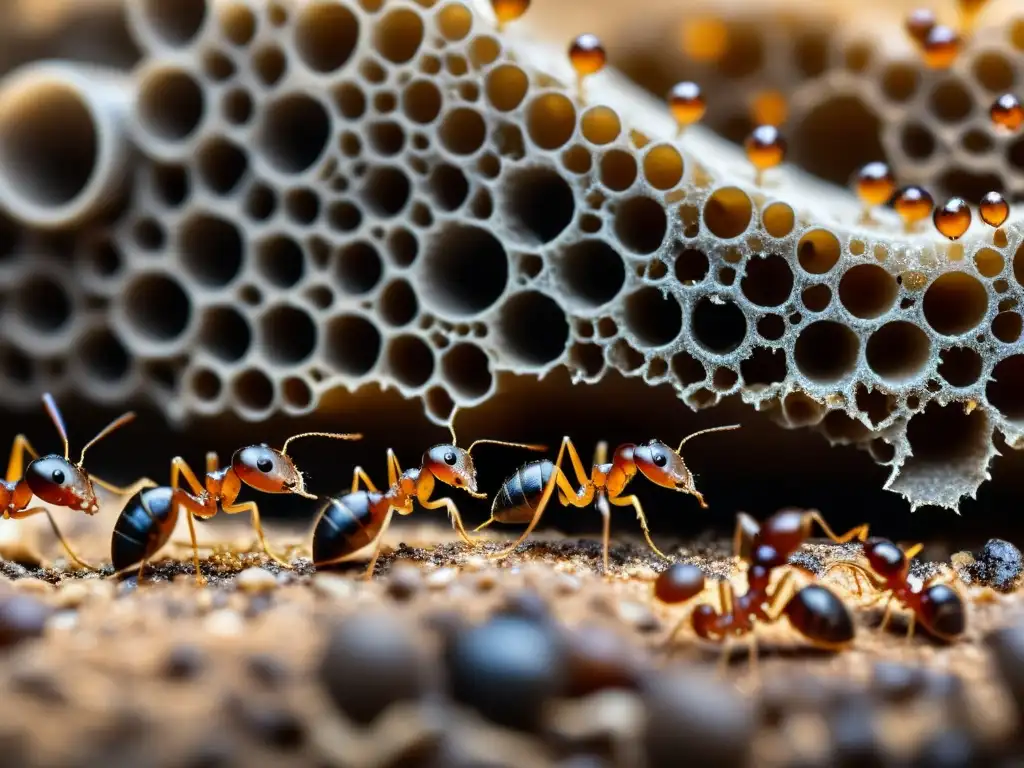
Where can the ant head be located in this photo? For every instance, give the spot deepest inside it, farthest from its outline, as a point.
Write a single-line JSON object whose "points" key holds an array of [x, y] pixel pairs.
{"points": [[662, 466], [885, 558], [452, 466], [267, 469], [57, 481]]}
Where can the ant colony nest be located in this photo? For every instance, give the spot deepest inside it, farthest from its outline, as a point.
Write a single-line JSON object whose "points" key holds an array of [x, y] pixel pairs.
{"points": [[339, 192]]}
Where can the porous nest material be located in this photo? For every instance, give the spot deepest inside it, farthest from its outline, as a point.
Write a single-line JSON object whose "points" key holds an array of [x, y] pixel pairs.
{"points": [[337, 193], [294, 668]]}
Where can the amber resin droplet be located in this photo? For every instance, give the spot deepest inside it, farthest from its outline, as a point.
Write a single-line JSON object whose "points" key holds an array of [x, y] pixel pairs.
{"points": [[953, 218], [765, 148], [509, 10], [1007, 113], [587, 55], [993, 209], [875, 184], [941, 47], [686, 102], [913, 204], [919, 23]]}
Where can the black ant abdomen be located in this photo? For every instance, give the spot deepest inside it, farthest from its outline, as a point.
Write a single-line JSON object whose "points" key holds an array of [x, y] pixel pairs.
{"points": [[144, 526], [942, 611], [518, 497], [820, 616], [346, 525]]}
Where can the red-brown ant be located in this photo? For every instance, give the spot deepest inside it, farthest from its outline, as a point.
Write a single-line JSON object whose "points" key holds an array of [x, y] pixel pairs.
{"points": [[936, 605], [258, 466], [353, 521], [524, 495], [813, 610], [55, 480]]}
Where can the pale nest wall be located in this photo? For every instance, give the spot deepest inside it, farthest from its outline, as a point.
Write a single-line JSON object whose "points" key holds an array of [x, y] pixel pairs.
{"points": [[333, 193]]}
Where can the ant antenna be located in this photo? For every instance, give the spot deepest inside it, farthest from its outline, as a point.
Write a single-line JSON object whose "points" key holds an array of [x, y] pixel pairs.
{"points": [[451, 425], [117, 423], [58, 421], [335, 435], [704, 432], [527, 446]]}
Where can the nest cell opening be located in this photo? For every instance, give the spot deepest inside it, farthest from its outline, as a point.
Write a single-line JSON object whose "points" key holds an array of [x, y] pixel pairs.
{"points": [[399, 35], [410, 360], [174, 22], [358, 268], [353, 344], [280, 260], [641, 224], [534, 328], [103, 356], [618, 170], [768, 281], [294, 132], [211, 249], [727, 212], [463, 131], [720, 328], [225, 333], [653, 317], [826, 351], [254, 391], [550, 120], [42, 304], [868, 291], [506, 87], [778, 220], [898, 351], [398, 305], [1005, 390], [386, 190], [818, 251], [465, 270], [171, 104], [157, 307], [691, 266], [960, 366], [955, 303], [764, 367], [221, 165], [326, 34], [539, 204], [591, 272]]}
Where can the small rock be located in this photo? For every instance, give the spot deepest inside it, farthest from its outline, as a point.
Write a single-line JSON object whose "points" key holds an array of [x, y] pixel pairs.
{"points": [[268, 670], [72, 594], [851, 724], [949, 749], [599, 659], [897, 683], [333, 586], [566, 584], [256, 580], [404, 582], [475, 563], [526, 604], [21, 618], [40, 684], [184, 662], [224, 623], [639, 616], [998, 565], [441, 578]]}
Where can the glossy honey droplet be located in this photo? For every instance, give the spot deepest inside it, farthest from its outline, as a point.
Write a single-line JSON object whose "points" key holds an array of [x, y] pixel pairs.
{"points": [[919, 23], [913, 204], [686, 103], [509, 10], [953, 218], [769, 108], [765, 148], [1006, 113], [941, 47], [875, 184], [587, 55], [969, 10], [993, 209]]}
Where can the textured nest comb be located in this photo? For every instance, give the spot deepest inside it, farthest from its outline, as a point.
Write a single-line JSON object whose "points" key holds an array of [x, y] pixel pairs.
{"points": [[336, 193]]}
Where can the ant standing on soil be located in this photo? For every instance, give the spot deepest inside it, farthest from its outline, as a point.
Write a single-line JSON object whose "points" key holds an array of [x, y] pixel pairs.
{"points": [[524, 495], [55, 480], [357, 519], [148, 519], [814, 611], [937, 606]]}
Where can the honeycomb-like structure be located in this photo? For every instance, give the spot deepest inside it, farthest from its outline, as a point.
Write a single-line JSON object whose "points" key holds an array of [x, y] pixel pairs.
{"points": [[333, 193]]}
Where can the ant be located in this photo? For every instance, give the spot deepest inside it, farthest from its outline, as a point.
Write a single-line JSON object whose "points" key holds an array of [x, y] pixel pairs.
{"points": [[55, 480], [937, 606], [353, 521], [524, 495], [146, 522], [814, 611]]}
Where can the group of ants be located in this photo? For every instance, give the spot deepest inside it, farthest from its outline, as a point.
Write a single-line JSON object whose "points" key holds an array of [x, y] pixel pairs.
{"points": [[358, 519]]}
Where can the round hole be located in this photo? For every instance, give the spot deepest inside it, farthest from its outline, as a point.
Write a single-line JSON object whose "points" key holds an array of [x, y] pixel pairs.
{"points": [[343, 216], [463, 131], [1007, 327], [42, 304], [826, 351], [534, 328], [205, 385], [506, 87], [618, 170], [592, 272], [218, 66], [297, 394], [663, 166], [349, 100], [764, 367], [225, 334], [538, 205], [403, 247], [600, 125], [386, 137], [867, 291], [253, 390], [421, 102], [465, 270], [466, 369], [1005, 390], [818, 251], [170, 104], [727, 213], [294, 132], [960, 366], [768, 281], [778, 220], [288, 335], [173, 23], [170, 185], [357, 268], [718, 328], [260, 202], [156, 307], [386, 190], [211, 249], [771, 327], [951, 102], [448, 186], [302, 206], [398, 305], [237, 23], [989, 262], [994, 71], [640, 223], [399, 35], [654, 318], [955, 303], [353, 344], [280, 260], [691, 266], [898, 351], [221, 165], [269, 64], [326, 34], [410, 361], [103, 356], [551, 120], [899, 82]]}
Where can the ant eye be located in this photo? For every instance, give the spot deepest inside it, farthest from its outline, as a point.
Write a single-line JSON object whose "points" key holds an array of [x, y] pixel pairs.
{"points": [[264, 464], [660, 459], [449, 458], [57, 476]]}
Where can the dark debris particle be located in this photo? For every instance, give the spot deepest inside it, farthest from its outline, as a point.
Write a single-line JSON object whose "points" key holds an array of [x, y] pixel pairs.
{"points": [[949, 749], [184, 662], [39, 684], [599, 659], [525, 604], [691, 715], [897, 683], [507, 669], [274, 726], [371, 661], [21, 618], [852, 728], [998, 565], [268, 670], [404, 582]]}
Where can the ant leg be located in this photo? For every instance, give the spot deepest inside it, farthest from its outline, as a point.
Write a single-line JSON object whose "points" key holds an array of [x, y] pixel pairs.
{"points": [[200, 579], [357, 475], [871, 578], [912, 552], [376, 548], [23, 513], [557, 478], [860, 532], [601, 453], [139, 485], [625, 501], [725, 656], [180, 468], [752, 654], [16, 462], [606, 525], [394, 470], [252, 509], [453, 515], [780, 596], [910, 626], [212, 462], [743, 536], [887, 614]]}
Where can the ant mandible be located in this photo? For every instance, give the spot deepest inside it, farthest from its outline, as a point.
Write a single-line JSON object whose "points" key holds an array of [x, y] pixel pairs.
{"points": [[146, 529], [936, 605], [55, 480], [353, 521], [524, 495], [814, 611]]}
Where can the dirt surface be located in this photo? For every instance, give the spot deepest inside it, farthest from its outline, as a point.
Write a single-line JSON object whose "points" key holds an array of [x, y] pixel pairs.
{"points": [[296, 667]]}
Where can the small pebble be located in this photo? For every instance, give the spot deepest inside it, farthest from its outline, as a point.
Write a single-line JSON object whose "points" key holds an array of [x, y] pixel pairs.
{"points": [[33, 586], [599, 659], [475, 563], [948, 749], [526, 604], [897, 683], [404, 582], [507, 669], [256, 580], [40, 684], [333, 586], [184, 662], [854, 740], [21, 618], [441, 578], [639, 616], [372, 660], [267, 670], [998, 565], [224, 623], [566, 584]]}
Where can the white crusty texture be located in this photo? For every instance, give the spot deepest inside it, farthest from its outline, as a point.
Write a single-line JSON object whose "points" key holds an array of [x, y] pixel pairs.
{"points": [[334, 193]]}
